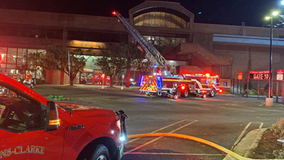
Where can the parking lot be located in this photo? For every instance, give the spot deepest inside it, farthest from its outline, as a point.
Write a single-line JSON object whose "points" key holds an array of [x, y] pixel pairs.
{"points": [[223, 119]]}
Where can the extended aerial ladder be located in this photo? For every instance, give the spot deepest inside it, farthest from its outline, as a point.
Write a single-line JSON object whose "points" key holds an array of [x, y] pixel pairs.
{"points": [[153, 56]]}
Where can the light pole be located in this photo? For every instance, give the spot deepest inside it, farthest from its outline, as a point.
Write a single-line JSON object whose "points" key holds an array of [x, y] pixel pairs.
{"points": [[269, 99]]}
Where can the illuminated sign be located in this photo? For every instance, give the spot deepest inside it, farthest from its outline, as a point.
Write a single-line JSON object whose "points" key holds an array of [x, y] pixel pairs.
{"points": [[29, 149], [279, 76], [260, 75], [86, 44], [240, 76]]}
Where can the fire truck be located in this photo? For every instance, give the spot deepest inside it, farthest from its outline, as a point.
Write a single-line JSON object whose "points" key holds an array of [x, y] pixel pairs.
{"points": [[180, 85], [32, 127], [160, 83]]}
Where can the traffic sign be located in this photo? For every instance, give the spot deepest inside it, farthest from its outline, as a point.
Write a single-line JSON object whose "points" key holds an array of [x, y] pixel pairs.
{"points": [[261, 75], [279, 76]]}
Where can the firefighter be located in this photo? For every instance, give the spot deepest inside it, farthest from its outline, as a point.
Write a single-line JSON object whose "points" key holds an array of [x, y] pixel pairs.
{"points": [[15, 77], [29, 81]]}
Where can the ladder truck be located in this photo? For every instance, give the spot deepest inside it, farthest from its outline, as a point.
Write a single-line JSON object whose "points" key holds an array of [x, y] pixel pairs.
{"points": [[173, 86]]}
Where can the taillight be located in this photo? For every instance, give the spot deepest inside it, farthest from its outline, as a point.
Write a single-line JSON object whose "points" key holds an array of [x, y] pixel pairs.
{"points": [[182, 87], [176, 97]]}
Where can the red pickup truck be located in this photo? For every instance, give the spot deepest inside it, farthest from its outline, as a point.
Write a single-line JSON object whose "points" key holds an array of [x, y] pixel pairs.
{"points": [[34, 128]]}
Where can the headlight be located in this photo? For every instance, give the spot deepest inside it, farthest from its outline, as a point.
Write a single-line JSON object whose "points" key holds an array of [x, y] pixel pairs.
{"points": [[122, 138]]}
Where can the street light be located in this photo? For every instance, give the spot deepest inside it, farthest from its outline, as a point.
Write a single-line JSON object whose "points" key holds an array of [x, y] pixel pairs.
{"points": [[269, 99]]}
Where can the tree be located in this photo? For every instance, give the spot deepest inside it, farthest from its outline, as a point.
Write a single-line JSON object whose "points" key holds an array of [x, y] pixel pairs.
{"points": [[116, 58], [32, 63], [57, 59], [133, 57], [112, 61]]}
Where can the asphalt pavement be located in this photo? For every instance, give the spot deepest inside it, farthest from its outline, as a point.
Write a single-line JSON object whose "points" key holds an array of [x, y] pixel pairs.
{"points": [[224, 120]]}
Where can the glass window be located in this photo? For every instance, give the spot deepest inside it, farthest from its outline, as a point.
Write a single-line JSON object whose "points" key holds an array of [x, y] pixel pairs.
{"points": [[159, 19], [12, 53], [3, 55], [41, 51], [32, 51], [17, 113], [21, 57], [160, 41]]}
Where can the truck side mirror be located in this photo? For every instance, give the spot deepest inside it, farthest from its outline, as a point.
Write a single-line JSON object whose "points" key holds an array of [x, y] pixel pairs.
{"points": [[52, 119]]}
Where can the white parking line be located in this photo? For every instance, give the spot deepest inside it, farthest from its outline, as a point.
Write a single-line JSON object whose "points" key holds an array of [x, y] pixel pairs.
{"points": [[145, 144], [260, 126], [231, 104], [238, 109], [241, 135], [158, 130], [261, 104]]}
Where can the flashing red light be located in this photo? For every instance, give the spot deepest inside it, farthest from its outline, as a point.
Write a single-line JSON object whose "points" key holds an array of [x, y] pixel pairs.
{"points": [[220, 90], [204, 96], [207, 75], [213, 85], [217, 76], [176, 97], [114, 13], [182, 87]]}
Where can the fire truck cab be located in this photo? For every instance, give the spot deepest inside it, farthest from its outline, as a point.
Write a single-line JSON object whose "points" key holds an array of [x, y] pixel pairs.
{"points": [[32, 127]]}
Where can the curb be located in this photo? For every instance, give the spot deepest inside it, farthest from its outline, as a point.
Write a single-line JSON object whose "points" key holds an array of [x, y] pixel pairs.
{"points": [[248, 143]]}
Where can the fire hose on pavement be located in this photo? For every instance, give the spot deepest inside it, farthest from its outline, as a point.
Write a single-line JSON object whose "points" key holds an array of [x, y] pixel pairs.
{"points": [[225, 150]]}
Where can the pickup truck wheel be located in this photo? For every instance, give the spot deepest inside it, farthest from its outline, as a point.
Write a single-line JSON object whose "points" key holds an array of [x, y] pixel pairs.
{"points": [[100, 153], [212, 93]]}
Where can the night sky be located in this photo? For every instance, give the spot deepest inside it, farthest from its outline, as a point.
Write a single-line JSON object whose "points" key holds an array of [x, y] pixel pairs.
{"points": [[231, 12]]}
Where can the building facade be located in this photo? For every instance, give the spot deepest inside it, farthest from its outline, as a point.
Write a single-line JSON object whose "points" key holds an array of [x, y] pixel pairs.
{"points": [[225, 50]]}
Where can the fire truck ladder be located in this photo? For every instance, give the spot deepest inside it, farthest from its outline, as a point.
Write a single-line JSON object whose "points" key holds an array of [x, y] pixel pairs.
{"points": [[151, 53]]}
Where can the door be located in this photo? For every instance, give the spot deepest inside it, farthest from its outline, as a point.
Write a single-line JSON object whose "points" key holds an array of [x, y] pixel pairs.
{"points": [[22, 133]]}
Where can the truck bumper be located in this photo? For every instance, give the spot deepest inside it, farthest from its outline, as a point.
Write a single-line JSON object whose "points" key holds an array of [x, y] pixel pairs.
{"points": [[120, 152]]}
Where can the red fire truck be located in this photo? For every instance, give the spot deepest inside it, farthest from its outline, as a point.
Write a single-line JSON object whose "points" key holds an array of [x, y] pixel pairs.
{"points": [[180, 85], [31, 127]]}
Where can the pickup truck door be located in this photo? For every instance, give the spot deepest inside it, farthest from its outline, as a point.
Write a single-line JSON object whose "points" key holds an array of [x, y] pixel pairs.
{"points": [[31, 145], [22, 133]]}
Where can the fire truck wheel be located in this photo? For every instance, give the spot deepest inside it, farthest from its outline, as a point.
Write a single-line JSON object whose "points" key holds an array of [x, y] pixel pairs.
{"points": [[100, 153], [212, 93], [186, 93], [178, 93]]}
